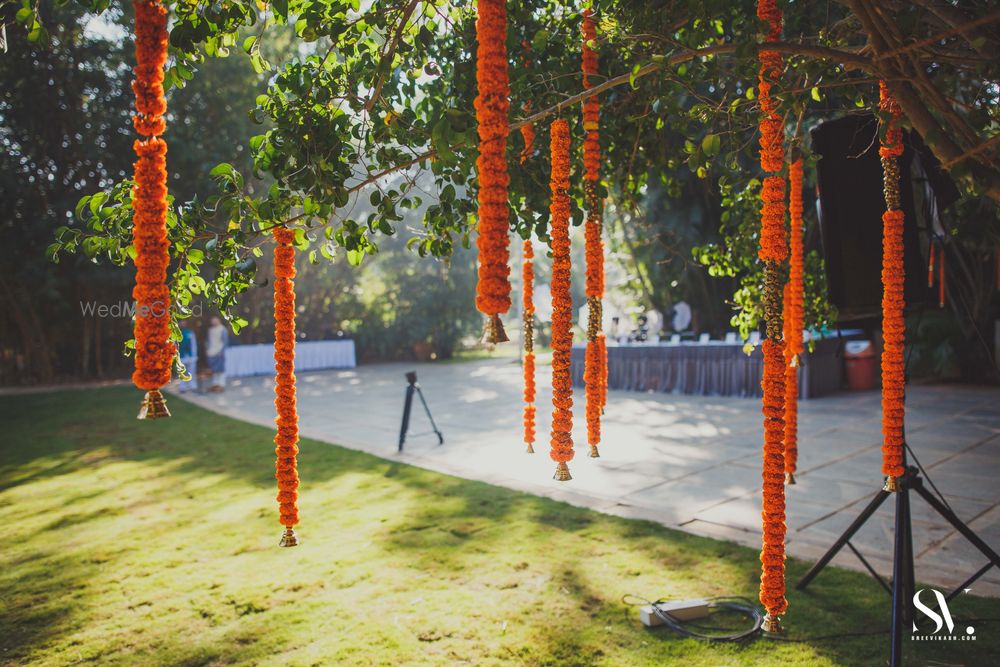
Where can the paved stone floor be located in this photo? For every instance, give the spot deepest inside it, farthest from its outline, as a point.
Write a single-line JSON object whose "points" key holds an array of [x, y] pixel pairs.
{"points": [[691, 463]]}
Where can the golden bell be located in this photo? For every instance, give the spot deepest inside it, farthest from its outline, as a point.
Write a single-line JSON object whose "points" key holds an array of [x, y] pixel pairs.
{"points": [[562, 473], [594, 454], [891, 484], [771, 624], [153, 406], [288, 538], [493, 332], [530, 450], [789, 478]]}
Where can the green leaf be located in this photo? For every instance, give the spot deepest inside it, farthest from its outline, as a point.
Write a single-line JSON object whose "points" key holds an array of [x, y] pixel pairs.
{"points": [[224, 169], [52, 252], [711, 144], [81, 205], [539, 41]]}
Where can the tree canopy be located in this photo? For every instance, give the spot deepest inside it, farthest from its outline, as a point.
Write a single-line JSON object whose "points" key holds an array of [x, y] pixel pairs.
{"points": [[386, 88]]}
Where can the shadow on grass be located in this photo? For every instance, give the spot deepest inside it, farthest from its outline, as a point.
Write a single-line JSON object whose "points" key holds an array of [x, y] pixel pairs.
{"points": [[479, 557]]}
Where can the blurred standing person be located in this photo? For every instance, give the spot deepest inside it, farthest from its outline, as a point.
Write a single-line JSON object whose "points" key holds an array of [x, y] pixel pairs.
{"points": [[188, 351], [215, 351]]}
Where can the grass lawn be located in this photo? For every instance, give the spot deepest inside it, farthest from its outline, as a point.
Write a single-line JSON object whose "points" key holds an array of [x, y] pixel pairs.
{"points": [[126, 542]]}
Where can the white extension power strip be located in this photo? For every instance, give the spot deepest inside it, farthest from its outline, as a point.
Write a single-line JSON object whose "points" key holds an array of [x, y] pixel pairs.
{"points": [[682, 610]]}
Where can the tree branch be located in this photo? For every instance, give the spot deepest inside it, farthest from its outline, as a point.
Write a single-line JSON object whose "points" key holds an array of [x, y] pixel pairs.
{"points": [[927, 41], [386, 61]]}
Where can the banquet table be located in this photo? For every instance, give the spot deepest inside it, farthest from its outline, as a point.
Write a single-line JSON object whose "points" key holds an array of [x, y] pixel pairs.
{"points": [[246, 360], [715, 368]]}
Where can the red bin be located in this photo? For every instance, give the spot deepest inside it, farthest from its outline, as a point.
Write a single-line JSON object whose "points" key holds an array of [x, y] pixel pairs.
{"points": [[862, 365]]}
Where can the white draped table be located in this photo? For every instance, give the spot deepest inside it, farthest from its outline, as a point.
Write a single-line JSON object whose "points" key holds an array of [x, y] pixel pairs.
{"points": [[245, 360]]}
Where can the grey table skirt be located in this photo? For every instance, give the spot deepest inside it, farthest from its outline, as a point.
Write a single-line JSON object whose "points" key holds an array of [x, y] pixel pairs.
{"points": [[713, 369]]}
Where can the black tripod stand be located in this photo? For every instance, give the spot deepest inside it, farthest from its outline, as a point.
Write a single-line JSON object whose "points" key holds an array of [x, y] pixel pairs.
{"points": [[411, 387], [902, 585]]}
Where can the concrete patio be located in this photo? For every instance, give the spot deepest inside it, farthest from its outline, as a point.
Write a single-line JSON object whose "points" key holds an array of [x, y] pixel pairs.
{"points": [[690, 463]]}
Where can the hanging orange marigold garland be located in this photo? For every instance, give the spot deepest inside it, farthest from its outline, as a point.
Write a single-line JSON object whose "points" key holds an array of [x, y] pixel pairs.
{"points": [[154, 352], [528, 290], [492, 106], [287, 437], [772, 252], [893, 326], [793, 320], [594, 370], [528, 310], [562, 303]]}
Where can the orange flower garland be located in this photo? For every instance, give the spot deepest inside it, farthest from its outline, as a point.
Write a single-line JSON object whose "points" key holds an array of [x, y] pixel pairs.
{"points": [[793, 320], [492, 106], [154, 351], [893, 326], [772, 252], [594, 369], [287, 437], [562, 303], [528, 309]]}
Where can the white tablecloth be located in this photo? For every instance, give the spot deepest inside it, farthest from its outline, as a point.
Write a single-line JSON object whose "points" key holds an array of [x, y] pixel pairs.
{"points": [[244, 360]]}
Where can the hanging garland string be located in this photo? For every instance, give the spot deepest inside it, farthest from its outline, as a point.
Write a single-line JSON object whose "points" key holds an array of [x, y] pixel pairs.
{"points": [[893, 326], [154, 352], [930, 264], [562, 303], [528, 310], [793, 319], [772, 252], [602, 344], [287, 437], [941, 277], [492, 106], [528, 130], [594, 357]]}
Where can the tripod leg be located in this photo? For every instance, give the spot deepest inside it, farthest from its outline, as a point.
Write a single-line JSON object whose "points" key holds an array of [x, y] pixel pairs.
{"points": [[428, 411], [875, 503], [406, 416], [899, 604], [906, 557], [959, 525]]}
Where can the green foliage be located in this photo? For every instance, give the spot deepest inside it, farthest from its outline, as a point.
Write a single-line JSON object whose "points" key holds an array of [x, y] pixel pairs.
{"points": [[387, 88]]}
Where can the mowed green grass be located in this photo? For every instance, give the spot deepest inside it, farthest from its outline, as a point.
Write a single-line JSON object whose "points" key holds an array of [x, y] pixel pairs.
{"points": [[155, 543]]}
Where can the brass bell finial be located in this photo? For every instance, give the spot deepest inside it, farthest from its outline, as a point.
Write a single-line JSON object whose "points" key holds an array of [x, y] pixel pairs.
{"points": [[562, 472], [288, 538], [153, 406], [771, 624], [494, 332]]}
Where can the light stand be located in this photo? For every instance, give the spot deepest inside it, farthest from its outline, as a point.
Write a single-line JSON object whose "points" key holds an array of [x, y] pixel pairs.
{"points": [[411, 388], [903, 585]]}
